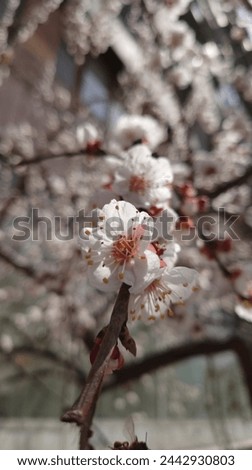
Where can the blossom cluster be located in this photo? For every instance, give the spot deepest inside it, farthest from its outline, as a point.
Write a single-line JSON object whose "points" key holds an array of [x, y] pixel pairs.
{"points": [[125, 242]]}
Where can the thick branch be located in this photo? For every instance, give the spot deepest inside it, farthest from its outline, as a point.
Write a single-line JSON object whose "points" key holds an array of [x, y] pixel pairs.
{"points": [[247, 4], [55, 281], [24, 268], [170, 356], [221, 188], [239, 342], [83, 409], [79, 69], [49, 355]]}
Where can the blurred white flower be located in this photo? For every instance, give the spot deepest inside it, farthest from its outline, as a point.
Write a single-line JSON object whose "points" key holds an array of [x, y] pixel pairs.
{"points": [[177, 35], [87, 135], [174, 8], [244, 310], [132, 128], [243, 280], [6, 343], [143, 180]]}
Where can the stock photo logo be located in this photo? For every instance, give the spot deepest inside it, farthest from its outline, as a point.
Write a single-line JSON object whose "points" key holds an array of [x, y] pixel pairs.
{"points": [[167, 226]]}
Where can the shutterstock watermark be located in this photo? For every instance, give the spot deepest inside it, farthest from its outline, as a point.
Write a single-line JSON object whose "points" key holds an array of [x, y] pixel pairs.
{"points": [[206, 227]]}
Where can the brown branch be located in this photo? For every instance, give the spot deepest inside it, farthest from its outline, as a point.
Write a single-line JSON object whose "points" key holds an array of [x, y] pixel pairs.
{"points": [[16, 25], [18, 190], [54, 281], [7, 205], [239, 342], [88, 402], [75, 101], [221, 188], [247, 4], [19, 266], [83, 409], [46, 354], [41, 158], [170, 356]]}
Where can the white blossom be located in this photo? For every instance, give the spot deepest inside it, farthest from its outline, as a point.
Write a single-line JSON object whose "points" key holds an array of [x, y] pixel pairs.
{"points": [[244, 310], [142, 179], [242, 274], [6, 343], [87, 134], [243, 280], [131, 128], [117, 250], [179, 5], [177, 35], [152, 298]]}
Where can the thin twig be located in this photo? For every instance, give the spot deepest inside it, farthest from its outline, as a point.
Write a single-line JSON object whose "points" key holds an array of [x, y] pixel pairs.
{"points": [[223, 187], [48, 278], [42, 158], [19, 266]]}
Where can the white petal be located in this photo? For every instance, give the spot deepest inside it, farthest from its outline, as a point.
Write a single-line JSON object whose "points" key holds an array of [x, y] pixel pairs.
{"points": [[244, 311], [141, 307], [170, 254], [103, 279], [181, 281], [156, 195], [144, 272], [126, 210], [140, 154], [133, 127], [162, 171]]}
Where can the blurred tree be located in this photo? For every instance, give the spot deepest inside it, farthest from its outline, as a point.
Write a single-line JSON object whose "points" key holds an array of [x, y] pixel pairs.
{"points": [[76, 78]]}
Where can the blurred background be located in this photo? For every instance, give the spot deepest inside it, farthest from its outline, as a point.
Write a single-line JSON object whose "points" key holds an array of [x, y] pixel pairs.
{"points": [[68, 71]]}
